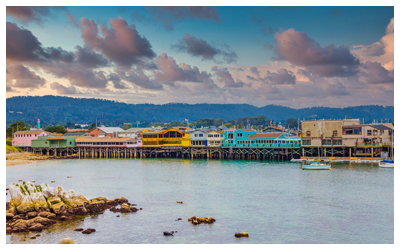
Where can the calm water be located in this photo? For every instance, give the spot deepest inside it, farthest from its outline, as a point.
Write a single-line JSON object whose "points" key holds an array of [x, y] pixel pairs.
{"points": [[275, 202]]}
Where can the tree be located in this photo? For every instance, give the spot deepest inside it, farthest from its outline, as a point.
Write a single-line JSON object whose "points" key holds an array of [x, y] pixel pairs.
{"points": [[16, 126], [127, 126], [56, 129], [291, 123], [70, 125], [92, 126], [176, 124]]}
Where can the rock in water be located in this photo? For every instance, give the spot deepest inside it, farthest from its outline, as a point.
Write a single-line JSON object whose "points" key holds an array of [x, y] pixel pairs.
{"points": [[169, 233], [241, 234], [66, 241]]}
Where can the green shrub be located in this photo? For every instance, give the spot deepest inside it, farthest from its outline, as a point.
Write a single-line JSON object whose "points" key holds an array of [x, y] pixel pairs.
{"points": [[9, 143], [19, 150]]}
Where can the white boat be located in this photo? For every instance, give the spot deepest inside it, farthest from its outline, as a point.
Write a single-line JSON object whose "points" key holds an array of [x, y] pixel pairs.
{"points": [[317, 166], [386, 164], [298, 160]]}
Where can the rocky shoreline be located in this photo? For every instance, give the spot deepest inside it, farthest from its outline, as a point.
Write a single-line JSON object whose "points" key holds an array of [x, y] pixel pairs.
{"points": [[37, 207]]}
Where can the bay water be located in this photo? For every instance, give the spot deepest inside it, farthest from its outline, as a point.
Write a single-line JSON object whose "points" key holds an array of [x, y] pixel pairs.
{"points": [[275, 202]]}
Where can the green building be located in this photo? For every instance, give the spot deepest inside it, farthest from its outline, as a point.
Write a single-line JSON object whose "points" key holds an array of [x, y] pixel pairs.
{"points": [[54, 145]]}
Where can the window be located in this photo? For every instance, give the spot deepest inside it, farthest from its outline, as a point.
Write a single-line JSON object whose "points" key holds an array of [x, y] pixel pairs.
{"points": [[70, 143], [326, 142], [200, 135], [334, 132], [375, 132], [308, 133], [230, 136], [306, 142], [369, 132], [240, 135], [195, 135]]}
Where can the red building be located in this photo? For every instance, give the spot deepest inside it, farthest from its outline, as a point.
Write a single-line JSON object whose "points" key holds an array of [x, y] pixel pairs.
{"points": [[107, 132]]}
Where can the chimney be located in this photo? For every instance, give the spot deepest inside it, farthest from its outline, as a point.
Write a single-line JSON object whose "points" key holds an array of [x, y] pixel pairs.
{"points": [[38, 123]]}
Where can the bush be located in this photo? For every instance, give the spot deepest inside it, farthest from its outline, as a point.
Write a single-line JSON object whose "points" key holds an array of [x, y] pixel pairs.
{"points": [[9, 142], [17, 148]]}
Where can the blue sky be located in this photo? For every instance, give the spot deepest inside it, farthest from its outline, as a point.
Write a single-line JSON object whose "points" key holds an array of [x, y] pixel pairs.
{"points": [[256, 72]]}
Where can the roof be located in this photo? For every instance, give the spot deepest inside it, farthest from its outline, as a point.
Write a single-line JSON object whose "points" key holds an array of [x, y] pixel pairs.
{"points": [[133, 130], [247, 130], [29, 132], [380, 127], [181, 128], [74, 134], [88, 139], [76, 129], [110, 130], [265, 135]]}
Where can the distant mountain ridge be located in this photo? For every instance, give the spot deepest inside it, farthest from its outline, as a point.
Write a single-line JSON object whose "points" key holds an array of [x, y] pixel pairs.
{"points": [[60, 110]]}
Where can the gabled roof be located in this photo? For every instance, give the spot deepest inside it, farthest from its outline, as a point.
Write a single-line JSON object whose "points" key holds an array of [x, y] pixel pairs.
{"points": [[265, 135], [110, 130], [247, 130]]}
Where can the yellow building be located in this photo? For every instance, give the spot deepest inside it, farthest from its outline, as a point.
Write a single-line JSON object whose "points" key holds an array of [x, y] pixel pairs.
{"points": [[172, 137]]}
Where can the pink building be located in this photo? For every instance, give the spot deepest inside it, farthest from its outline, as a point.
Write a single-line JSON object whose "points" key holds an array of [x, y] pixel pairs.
{"points": [[24, 138], [134, 143]]}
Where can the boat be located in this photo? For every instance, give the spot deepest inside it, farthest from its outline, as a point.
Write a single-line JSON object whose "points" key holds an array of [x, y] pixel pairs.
{"points": [[298, 160], [386, 164], [317, 166]]}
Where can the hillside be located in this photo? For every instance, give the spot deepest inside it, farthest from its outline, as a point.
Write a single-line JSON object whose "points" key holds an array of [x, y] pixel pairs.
{"points": [[60, 110]]}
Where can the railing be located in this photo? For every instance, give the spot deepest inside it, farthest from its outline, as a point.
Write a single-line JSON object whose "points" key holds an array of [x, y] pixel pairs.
{"points": [[272, 145], [368, 144]]}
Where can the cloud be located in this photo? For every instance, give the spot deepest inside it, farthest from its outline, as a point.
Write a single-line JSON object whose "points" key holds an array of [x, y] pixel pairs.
{"points": [[226, 77], [72, 20], [200, 48], [121, 43], [336, 89], [139, 78], [171, 72], [282, 76], [116, 81], [373, 72], [62, 90], [381, 51], [26, 14], [166, 14], [23, 46], [19, 76], [300, 50], [89, 58]]}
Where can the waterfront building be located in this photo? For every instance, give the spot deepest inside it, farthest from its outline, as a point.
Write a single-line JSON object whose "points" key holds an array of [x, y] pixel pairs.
{"points": [[175, 136], [54, 145], [132, 133], [215, 138], [105, 132], [102, 142], [198, 138], [23, 139]]}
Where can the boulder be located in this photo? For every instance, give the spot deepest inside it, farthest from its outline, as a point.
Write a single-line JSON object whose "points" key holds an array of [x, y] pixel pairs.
{"points": [[78, 229], [19, 226], [89, 231], [19, 217], [31, 215], [36, 227], [169, 233], [66, 241], [200, 220], [9, 216], [56, 204]]}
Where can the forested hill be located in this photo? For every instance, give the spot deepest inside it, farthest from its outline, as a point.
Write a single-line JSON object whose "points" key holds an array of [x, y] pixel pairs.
{"points": [[60, 110]]}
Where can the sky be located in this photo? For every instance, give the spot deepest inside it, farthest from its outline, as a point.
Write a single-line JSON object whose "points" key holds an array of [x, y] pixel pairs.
{"points": [[298, 57]]}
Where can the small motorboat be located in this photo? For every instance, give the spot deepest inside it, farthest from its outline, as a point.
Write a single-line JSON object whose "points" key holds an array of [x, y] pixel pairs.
{"points": [[298, 160], [386, 164], [317, 166]]}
